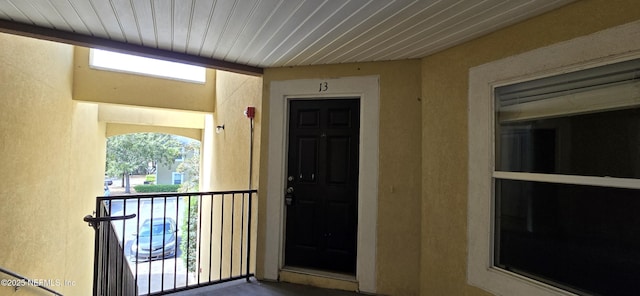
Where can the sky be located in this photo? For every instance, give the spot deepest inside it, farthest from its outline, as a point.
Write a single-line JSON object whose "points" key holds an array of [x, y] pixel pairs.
{"points": [[147, 66]]}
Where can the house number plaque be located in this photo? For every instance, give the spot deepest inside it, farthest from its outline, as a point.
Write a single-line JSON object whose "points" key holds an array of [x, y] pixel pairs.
{"points": [[324, 86]]}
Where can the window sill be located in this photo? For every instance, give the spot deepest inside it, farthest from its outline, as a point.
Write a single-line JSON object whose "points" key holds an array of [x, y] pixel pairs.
{"points": [[504, 282]]}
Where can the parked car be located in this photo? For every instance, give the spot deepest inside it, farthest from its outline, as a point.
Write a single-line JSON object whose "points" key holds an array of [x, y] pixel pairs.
{"points": [[156, 239], [107, 181]]}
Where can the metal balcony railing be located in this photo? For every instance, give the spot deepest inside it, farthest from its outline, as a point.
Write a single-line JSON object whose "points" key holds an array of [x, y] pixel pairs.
{"points": [[156, 244]]}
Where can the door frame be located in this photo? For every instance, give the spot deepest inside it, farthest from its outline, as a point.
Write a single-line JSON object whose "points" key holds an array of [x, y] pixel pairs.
{"points": [[281, 92]]}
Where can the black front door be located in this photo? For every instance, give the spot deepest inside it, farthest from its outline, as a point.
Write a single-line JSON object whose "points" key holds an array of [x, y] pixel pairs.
{"points": [[322, 181]]}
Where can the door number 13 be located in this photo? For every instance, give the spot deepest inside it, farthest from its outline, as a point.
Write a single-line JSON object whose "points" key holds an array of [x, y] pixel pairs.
{"points": [[324, 86]]}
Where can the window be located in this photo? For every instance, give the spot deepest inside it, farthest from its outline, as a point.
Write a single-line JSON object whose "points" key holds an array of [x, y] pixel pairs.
{"points": [[106, 60], [565, 148], [180, 157], [176, 178], [554, 169]]}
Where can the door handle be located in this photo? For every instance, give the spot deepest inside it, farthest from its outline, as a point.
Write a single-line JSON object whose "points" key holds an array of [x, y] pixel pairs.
{"points": [[288, 197], [95, 221]]}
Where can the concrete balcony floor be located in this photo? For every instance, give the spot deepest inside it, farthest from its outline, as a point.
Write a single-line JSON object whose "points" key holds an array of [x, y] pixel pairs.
{"points": [[262, 288]]}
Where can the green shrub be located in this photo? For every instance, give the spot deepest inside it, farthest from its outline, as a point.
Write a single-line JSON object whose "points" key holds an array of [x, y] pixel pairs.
{"points": [[156, 188], [150, 179], [189, 230]]}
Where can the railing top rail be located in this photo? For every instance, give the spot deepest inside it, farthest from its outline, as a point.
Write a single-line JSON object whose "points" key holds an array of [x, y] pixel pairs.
{"points": [[175, 194], [30, 281]]}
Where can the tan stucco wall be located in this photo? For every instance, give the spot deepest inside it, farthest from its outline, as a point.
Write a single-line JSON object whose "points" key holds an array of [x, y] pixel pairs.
{"points": [[398, 227], [444, 129], [138, 90], [86, 159], [236, 92], [52, 159], [226, 167]]}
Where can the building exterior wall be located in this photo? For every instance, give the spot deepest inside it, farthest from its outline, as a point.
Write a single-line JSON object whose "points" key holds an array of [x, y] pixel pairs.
{"points": [[398, 217], [52, 155], [235, 92], [225, 166], [164, 172], [138, 90], [444, 129], [87, 156]]}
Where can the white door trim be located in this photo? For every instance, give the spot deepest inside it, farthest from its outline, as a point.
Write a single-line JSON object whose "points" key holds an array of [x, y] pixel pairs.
{"points": [[367, 89]]}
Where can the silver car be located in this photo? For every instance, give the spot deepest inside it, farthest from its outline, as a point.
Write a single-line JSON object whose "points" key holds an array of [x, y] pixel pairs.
{"points": [[156, 239]]}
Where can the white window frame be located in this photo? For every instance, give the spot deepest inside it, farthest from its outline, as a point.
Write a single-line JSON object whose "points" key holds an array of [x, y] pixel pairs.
{"points": [[601, 48], [173, 178], [181, 156]]}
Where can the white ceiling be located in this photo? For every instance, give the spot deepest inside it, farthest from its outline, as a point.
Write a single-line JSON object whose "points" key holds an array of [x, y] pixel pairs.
{"points": [[276, 33]]}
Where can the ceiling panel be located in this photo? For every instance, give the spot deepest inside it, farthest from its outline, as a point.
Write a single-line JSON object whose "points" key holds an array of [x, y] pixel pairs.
{"points": [[143, 16], [84, 10], [53, 14], [368, 17], [200, 25], [274, 33], [221, 18], [285, 19], [331, 33], [440, 17], [263, 17], [127, 20], [371, 32], [9, 10], [322, 20], [162, 13], [406, 20], [504, 14], [68, 15], [27, 9], [240, 13], [183, 12]]}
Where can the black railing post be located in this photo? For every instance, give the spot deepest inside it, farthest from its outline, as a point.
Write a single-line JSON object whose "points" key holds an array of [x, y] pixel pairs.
{"points": [[233, 224], [248, 275], [96, 255], [210, 236], [199, 238], [188, 248], [221, 233]]}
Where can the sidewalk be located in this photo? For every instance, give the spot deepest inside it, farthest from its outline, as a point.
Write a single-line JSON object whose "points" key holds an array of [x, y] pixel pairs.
{"points": [[117, 189]]}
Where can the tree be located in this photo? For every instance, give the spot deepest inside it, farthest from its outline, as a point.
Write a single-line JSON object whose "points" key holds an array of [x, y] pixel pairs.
{"points": [[139, 152], [190, 167]]}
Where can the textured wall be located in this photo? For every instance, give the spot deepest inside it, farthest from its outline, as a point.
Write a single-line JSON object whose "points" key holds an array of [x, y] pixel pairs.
{"points": [[398, 227], [130, 89], [225, 158], [235, 92], [51, 164], [444, 129]]}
